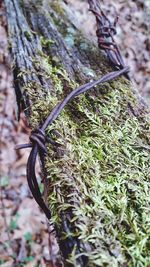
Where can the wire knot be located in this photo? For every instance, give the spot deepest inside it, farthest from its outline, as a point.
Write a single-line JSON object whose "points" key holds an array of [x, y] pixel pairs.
{"points": [[106, 31], [38, 137]]}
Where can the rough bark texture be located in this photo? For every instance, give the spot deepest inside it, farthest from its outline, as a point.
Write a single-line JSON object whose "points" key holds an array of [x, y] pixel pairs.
{"points": [[98, 180]]}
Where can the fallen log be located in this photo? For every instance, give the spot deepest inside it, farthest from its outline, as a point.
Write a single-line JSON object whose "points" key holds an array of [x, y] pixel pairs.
{"points": [[97, 179]]}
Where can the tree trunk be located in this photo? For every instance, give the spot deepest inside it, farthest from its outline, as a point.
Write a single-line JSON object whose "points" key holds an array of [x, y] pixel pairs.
{"points": [[97, 181]]}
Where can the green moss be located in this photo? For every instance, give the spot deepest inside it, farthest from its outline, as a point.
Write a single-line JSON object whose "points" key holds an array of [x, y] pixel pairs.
{"points": [[99, 175], [28, 35], [56, 6], [102, 177], [46, 43], [43, 102], [100, 172], [58, 75]]}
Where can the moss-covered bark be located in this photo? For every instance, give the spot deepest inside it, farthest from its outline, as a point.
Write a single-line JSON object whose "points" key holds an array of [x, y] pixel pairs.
{"points": [[98, 179]]}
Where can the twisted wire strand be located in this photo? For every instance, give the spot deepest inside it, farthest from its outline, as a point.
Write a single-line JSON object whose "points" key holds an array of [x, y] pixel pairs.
{"points": [[105, 34]]}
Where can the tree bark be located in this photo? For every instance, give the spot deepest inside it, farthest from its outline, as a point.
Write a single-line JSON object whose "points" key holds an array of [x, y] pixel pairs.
{"points": [[97, 181]]}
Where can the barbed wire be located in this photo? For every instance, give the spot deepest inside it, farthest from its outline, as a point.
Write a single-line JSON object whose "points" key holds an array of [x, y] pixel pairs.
{"points": [[105, 31], [105, 34]]}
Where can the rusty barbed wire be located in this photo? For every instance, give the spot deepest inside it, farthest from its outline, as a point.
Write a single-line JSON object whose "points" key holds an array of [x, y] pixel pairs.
{"points": [[38, 140], [105, 34]]}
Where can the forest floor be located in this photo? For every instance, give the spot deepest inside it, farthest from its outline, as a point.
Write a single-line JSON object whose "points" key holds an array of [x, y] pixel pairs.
{"points": [[23, 227]]}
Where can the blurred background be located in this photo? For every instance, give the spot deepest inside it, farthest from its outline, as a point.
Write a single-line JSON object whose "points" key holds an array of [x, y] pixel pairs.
{"points": [[23, 227]]}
